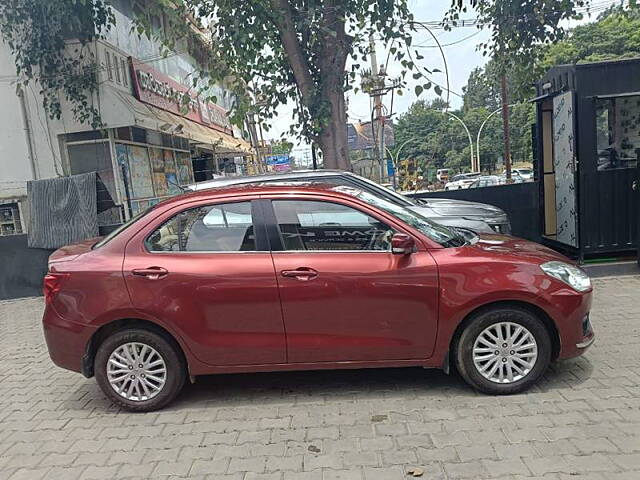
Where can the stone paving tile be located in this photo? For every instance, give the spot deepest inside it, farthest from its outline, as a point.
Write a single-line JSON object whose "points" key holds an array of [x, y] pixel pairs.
{"points": [[581, 421]]}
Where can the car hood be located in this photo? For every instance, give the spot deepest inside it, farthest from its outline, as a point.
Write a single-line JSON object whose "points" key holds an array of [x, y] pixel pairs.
{"points": [[459, 208], [524, 250]]}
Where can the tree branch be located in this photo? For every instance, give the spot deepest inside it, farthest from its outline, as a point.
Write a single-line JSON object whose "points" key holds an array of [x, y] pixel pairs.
{"points": [[297, 59]]}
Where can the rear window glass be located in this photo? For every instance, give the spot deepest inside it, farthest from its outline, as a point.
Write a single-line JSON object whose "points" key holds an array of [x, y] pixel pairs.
{"points": [[123, 227]]}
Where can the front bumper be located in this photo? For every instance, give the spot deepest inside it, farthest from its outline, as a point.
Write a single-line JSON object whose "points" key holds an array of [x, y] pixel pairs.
{"points": [[573, 323], [588, 335]]}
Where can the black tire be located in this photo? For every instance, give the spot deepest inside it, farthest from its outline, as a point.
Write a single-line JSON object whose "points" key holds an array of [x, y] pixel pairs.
{"points": [[175, 369], [464, 349]]}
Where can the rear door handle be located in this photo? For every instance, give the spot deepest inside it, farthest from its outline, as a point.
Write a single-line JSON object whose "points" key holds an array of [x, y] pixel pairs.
{"points": [[302, 273], [152, 273]]}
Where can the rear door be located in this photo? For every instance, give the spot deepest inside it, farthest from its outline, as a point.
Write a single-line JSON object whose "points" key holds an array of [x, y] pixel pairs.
{"points": [[345, 296], [206, 271]]}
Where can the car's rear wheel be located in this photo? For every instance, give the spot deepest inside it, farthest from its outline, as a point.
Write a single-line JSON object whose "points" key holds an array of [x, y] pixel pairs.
{"points": [[503, 350], [139, 370]]}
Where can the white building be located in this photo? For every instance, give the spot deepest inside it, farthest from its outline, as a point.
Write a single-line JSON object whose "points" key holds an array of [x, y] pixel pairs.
{"points": [[149, 145]]}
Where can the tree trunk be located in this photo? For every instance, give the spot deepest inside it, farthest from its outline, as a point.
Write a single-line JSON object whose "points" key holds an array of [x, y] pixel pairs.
{"points": [[333, 51], [333, 137], [332, 62]]}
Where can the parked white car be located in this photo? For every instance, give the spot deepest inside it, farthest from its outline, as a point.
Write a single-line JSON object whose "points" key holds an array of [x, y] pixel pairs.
{"points": [[526, 174], [462, 180], [442, 174]]}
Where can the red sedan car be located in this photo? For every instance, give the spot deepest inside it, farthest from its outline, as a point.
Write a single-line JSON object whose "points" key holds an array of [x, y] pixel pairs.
{"points": [[294, 277]]}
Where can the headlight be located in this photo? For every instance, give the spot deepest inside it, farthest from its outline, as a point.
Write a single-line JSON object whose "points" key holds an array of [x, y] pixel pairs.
{"points": [[572, 276]]}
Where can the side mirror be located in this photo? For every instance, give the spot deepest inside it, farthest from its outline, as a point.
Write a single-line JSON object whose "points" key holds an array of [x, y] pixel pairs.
{"points": [[402, 244]]}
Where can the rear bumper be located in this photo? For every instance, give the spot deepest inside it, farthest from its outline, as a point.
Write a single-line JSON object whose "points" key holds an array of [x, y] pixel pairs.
{"points": [[66, 341]]}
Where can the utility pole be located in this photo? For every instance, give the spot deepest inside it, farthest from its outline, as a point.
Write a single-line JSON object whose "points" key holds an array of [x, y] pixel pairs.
{"points": [[378, 147], [505, 127], [375, 84], [314, 158]]}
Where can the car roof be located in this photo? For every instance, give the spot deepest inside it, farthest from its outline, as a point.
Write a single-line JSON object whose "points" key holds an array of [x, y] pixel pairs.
{"points": [[226, 181], [271, 188], [467, 174]]}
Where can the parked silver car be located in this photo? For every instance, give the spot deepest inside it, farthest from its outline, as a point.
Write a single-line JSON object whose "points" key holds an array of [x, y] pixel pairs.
{"points": [[477, 217]]}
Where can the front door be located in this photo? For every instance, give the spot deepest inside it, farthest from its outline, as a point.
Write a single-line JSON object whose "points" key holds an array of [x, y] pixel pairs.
{"points": [[345, 296], [206, 272]]}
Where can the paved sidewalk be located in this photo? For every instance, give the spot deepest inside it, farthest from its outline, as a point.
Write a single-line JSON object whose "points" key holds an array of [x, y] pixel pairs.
{"points": [[582, 421]]}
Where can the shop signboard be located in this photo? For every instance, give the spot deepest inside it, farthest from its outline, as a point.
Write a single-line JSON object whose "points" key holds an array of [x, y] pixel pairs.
{"points": [[278, 163], [159, 90]]}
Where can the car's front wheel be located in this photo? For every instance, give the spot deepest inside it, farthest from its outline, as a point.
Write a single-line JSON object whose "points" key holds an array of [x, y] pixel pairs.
{"points": [[139, 370], [503, 350]]}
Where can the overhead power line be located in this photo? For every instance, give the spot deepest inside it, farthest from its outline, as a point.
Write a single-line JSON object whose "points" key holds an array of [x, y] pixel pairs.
{"points": [[477, 22]]}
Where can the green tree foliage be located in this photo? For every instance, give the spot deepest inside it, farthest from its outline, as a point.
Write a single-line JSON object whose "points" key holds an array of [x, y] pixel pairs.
{"points": [[435, 140], [281, 147], [441, 143], [37, 31], [270, 52], [297, 51], [480, 91], [615, 34], [518, 28]]}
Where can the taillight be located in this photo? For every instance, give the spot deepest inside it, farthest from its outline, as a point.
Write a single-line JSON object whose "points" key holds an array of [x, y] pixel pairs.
{"points": [[52, 284]]}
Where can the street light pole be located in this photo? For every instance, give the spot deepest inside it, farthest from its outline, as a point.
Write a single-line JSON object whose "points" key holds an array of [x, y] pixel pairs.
{"points": [[470, 140], [395, 161], [480, 131]]}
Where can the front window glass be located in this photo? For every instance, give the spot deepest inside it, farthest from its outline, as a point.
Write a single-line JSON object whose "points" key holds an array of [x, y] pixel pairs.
{"points": [[311, 225], [212, 228], [440, 234], [618, 132]]}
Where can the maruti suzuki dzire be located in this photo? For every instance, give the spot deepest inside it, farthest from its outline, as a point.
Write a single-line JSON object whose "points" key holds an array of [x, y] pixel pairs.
{"points": [[301, 277]]}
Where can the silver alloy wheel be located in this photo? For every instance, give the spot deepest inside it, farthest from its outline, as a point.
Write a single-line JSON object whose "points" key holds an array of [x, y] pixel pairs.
{"points": [[505, 352], [136, 371]]}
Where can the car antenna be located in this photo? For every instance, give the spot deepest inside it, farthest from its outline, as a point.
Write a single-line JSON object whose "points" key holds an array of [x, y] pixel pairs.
{"points": [[182, 189]]}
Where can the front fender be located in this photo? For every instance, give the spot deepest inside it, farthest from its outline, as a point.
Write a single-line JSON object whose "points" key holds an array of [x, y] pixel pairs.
{"points": [[467, 287]]}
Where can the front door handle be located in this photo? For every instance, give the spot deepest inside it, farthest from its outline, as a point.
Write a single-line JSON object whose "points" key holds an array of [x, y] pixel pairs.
{"points": [[302, 273], [152, 273], [634, 185]]}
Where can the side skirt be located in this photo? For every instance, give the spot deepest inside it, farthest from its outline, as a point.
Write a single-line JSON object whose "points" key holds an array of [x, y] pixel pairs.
{"points": [[286, 367]]}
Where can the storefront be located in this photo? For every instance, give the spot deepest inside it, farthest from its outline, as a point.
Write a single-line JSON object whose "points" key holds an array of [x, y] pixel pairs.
{"points": [[588, 147], [157, 140]]}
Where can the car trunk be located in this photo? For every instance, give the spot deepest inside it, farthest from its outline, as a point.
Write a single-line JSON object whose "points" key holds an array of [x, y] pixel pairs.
{"points": [[73, 251]]}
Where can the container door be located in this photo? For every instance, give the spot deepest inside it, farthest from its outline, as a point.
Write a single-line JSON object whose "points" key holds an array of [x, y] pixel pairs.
{"points": [[636, 189], [564, 162]]}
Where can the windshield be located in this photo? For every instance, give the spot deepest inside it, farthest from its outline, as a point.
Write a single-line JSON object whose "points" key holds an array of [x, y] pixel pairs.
{"points": [[123, 227], [445, 236]]}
